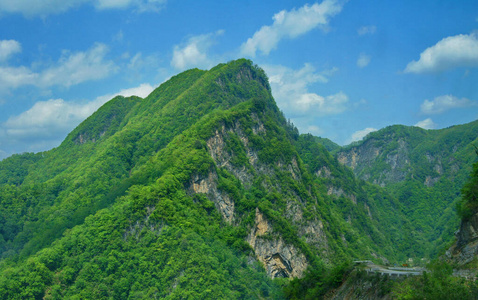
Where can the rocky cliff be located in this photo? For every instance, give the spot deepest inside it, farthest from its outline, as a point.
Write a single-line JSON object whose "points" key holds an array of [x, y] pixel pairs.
{"points": [[395, 164], [465, 250], [232, 152]]}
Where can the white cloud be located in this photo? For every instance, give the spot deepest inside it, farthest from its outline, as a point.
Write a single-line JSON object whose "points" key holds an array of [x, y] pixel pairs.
{"points": [[443, 103], [426, 124], [363, 60], [8, 48], [46, 118], [141, 91], [315, 130], [193, 54], [71, 69], [329, 105], [451, 52], [358, 135], [31, 8], [366, 30], [13, 77], [139, 61], [290, 24], [74, 68], [34, 7], [290, 90], [109, 4], [136, 61], [45, 124]]}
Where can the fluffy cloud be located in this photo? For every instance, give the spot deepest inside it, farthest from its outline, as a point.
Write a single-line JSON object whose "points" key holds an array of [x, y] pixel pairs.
{"points": [[363, 60], [8, 48], [13, 77], [329, 105], [426, 124], [315, 130], [139, 5], [32, 8], [366, 30], [74, 68], [142, 91], [358, 135], [290, 24], [71, 69], [47, 123], [194, 52], [290, 90], [451, 52], [443, 103]]}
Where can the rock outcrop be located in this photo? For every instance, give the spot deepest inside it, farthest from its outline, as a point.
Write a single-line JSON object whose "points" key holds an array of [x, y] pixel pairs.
{"points": [[362, 158], [208, 185], [279, 258], [466, 247]]}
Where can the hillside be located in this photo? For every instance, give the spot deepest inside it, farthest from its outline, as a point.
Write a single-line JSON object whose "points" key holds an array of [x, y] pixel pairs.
{"points": [[464, 252], [200, 190], [424, 169]]}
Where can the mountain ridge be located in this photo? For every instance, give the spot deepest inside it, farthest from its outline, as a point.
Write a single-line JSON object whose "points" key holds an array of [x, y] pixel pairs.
{"points": [[202, 189]]}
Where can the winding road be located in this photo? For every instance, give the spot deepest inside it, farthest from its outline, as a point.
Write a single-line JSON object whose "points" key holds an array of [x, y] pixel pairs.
{"points": [[370, 267]]}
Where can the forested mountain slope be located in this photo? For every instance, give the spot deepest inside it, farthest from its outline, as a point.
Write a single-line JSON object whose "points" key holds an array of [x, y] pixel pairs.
{"points": [[424, 169], [464, 252], [200, 190]]}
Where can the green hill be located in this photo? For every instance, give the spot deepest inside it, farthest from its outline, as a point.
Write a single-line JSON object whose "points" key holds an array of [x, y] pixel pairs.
{"points": [[200, 190]]}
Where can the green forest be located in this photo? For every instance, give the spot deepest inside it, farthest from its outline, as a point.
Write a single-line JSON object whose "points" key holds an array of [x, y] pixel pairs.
{"points": [[203, 190]]}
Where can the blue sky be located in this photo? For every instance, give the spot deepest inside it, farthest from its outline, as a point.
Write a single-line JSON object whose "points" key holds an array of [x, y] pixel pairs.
{"points": [[338, 69]]}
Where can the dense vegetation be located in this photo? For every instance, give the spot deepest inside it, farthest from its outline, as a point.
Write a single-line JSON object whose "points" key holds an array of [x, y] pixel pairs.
{"points": [[425, 170], [437, 283], [469, 202], [161, 198]]}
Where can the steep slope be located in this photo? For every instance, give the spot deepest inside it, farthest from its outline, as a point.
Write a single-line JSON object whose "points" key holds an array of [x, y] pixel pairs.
{"points": [[200, 190], [366, 208], [424, 169], [464, 252], [93, 165]]}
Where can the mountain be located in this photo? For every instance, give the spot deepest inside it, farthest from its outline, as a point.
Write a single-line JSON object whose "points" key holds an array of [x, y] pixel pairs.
{"points": [[424, 169], [200, 190]]}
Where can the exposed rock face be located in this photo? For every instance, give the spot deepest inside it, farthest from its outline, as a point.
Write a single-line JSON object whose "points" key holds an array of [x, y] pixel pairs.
{"points": [[313, 232], [84, 138], [324, 172], [216, 147], [466, 246], [359, 156], [362, 158], [279, 259], [208, 185]]}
